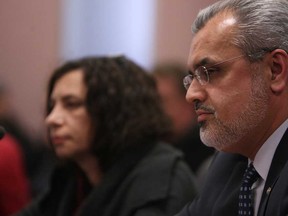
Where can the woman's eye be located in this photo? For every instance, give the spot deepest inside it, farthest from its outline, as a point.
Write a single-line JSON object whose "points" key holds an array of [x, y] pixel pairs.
{"points": [[73, 104]]}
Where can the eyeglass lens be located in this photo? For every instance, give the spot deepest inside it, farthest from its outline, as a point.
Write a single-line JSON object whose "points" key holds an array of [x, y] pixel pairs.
{"points": [[201, 74]]}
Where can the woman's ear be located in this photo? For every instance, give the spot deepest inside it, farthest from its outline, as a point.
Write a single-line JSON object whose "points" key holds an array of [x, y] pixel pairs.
{"points": [[279, 70]]}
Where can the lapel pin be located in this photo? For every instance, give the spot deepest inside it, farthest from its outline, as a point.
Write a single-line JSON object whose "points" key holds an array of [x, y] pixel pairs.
{"points": [[268, 190]]}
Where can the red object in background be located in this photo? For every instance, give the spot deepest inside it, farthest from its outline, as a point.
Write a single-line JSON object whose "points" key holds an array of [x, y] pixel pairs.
{"points": [[15, 190]]}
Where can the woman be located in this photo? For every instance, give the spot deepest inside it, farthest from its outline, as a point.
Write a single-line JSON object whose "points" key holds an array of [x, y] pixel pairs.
{"points": [[105, 124]]}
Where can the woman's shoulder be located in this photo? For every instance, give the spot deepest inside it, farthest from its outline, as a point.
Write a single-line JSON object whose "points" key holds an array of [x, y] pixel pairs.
{"points": [[161, 176], [163, 151], [162, 156], [159, 169]]}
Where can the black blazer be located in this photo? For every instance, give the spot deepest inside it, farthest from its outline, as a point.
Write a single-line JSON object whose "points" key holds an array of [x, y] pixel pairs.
{"points": [[219, 196]]}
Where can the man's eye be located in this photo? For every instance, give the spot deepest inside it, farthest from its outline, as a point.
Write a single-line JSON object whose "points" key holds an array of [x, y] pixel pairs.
{"points": [[213, 70]]}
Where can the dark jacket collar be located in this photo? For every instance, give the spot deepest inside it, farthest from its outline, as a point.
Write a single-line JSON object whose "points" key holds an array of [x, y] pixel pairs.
{"points": [[279, 160]]}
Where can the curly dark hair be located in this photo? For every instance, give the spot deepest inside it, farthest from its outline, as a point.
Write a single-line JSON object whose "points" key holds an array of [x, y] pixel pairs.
{"points": [[122, 101]]}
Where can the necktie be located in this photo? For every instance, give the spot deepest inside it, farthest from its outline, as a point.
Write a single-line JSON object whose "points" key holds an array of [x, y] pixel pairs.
{"points": [[245, 195]]}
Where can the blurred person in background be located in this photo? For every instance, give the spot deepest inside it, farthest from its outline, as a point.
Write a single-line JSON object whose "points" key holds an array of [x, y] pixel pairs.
{"points": [[37, 157], [185, 133], [14, 183], [105, 121]]}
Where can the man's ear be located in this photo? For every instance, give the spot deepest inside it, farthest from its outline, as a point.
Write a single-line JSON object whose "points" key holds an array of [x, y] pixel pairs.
{"points": [[279, 70]]}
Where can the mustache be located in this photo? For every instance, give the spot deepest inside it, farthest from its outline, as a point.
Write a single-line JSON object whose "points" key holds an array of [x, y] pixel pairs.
{"points": [[198, 105]]}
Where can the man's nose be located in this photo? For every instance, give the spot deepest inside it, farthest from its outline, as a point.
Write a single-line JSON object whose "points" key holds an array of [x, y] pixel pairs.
{"points": [[195, 92]]}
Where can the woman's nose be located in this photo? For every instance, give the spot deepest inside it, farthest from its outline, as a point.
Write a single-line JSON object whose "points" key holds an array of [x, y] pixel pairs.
{"points": [[54, 118]]}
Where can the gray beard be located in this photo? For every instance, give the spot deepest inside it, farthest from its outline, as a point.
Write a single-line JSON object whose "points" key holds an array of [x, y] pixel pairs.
{"points": [[221, 135]]}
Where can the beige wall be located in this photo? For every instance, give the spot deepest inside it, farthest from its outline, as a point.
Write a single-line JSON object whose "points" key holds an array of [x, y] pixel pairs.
{"points": [[28, 51], [29, 47], [174, 28]]}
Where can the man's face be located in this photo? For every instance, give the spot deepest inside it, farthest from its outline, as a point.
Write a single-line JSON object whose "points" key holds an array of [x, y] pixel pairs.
{"points": [[235, 101]]}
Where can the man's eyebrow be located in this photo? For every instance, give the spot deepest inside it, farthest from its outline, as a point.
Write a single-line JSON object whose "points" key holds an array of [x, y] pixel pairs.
{"points": [[203, 62]]}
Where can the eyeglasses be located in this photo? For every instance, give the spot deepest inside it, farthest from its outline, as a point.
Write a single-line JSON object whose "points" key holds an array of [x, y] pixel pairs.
{"points": [[202, 73]]}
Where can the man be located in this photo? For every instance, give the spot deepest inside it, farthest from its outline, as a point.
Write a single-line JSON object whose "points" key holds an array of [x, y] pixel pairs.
{"points": [[238, 83], [185, 133]]}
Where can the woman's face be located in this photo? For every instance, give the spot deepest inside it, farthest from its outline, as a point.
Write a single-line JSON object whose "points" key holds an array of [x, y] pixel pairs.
{"points": [[69, 124]]}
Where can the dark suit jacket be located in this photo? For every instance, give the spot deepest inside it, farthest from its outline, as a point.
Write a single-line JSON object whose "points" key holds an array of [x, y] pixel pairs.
{"points": [[220, 192]]}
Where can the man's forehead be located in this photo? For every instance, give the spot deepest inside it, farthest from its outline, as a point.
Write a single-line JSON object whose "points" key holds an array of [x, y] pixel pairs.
{"points": [[215, 37]]}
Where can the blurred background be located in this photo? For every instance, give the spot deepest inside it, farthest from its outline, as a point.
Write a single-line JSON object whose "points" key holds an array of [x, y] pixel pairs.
{"points": [[37, 36]]}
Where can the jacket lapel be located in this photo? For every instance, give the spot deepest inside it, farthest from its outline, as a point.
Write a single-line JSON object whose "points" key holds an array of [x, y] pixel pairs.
{"points": [[278, 162]]}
